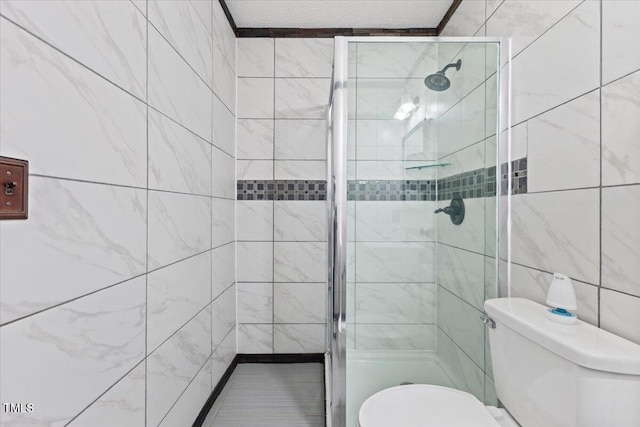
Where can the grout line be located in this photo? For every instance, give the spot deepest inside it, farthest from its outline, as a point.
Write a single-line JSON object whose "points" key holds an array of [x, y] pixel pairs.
{"points": [[116, 382], [72, 300], [146, 314], [273, 209], [551, 273], [600, 205]]}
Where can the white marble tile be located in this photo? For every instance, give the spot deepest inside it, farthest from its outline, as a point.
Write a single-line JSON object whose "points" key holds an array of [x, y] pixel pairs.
{"points": [[470, 234], [178, 159], [300, 261], [465, 160], [462, 273], [224, 222], [224, 314], [395, 337], [255, 98], [474, 67], [190, 403], [255, 139], [223, 174], [63, 359], [108, 37], [300, 169], [299, 303], [300, 221], [467, 375], [123, 404], [468, 18], [255, 220], [255, 302], [395, 262], [462, 323], [525, 20], [52, 107], [571, 44], [83, 237], [223, 260], [299, 338], [473, 117], [620, 237], [620, 130], [492, 103], [395, 303], [303, 57], [174, 295], [449, 131], [141, 5], [175, 364], [534, 285], [203, 9], [255, 261], [179, 226], [255, 339], [380, 98], [176, 90], [255, 57], [619, 313], [398, 221], [300, 140], [558, 232], [224, 80], [392, 170], [490, 278], [395, 60], [380, 140], [564, 146], [223, 356], [182, 27], [620, 38], [491, 226], [254, 169], [223, 127], [301, 98], [223, 34]]}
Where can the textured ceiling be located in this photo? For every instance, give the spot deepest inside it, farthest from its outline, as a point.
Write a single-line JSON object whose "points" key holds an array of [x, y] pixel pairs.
{"points": [[338, 13]]}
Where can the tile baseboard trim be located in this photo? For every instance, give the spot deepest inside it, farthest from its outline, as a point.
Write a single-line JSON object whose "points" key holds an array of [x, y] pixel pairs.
{"points": [[253, 358]]}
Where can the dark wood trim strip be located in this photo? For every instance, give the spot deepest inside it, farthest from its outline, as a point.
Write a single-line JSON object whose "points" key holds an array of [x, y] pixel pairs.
{"points": [[227, 13], [254, 358], [215, 393], [447, 16], [282, 358], [332, 32]]}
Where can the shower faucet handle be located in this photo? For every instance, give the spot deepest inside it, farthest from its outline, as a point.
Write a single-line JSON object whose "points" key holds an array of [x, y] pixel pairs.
{"points": [[455, 210]]}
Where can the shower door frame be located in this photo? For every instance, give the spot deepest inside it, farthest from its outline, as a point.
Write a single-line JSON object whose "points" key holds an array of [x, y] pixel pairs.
{"points": [[337, 141]]}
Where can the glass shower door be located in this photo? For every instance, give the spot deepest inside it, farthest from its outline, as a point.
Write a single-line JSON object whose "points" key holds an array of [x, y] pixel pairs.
{"points": [[406, 284]]}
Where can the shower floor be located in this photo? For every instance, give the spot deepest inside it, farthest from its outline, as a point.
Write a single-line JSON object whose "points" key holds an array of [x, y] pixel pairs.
{"points": [[369, 372], [271, 395]]}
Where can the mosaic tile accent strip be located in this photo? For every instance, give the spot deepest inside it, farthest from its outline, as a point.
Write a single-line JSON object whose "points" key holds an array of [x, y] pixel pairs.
{"points": [[391, 190], [468, 185], [281, 190], [518, 177]]}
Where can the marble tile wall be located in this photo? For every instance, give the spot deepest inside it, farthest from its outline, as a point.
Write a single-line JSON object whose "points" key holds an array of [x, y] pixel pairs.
{"points": [[118, 293], [577, 123], [466, 253], [283, 89]]}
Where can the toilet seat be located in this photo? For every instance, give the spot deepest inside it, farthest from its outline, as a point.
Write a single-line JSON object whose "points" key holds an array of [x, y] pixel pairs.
{"points": [[422, 405]]}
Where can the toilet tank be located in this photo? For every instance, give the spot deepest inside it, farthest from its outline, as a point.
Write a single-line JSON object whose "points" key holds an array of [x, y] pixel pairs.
{"points": [[548, 374]]}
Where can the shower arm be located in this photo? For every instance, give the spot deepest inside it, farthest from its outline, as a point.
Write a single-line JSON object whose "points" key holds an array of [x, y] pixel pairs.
{"points": [[455, 65]]}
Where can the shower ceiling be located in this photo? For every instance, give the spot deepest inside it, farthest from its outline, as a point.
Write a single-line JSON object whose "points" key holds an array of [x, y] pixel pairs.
{"points": [[338, 13]]}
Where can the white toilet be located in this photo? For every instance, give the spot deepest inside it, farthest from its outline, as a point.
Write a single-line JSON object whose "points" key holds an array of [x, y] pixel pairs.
{"points": [[547, 375]]}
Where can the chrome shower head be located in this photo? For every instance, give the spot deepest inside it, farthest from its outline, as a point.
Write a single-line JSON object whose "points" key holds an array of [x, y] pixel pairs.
{"points": [[439, 81]]}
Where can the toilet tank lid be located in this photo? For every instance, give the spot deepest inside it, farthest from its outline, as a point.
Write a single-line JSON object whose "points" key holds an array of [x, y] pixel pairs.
{"points": [[582, 343]]}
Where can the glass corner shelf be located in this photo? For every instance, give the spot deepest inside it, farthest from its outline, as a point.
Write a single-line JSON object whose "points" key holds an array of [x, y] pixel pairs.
{"points": [[434, 165]]}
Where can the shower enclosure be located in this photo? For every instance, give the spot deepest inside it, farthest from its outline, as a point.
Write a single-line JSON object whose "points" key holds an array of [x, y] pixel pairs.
{"points": [[413, 125]]}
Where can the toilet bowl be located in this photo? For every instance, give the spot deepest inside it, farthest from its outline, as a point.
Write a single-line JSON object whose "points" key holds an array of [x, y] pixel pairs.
{"points": [[422, 405]]}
